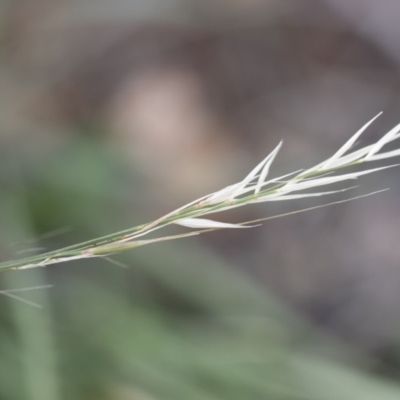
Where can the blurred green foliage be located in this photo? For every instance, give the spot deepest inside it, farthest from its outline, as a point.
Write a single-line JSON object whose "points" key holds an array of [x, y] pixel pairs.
{"points": [[177, 324]]}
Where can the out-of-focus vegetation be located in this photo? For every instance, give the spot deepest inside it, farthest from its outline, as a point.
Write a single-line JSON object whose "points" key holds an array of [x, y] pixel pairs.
{"points": [[113, 113]]}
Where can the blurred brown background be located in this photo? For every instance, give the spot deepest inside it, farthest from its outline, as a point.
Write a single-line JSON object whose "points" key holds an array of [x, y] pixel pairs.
{"points": [[187, 96]]}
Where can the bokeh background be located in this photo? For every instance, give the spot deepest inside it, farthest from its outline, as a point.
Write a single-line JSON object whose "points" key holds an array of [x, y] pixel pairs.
{"points": [[113, 113]]}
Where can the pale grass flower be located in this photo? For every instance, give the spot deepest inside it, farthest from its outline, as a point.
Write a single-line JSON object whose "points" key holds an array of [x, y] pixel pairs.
{"points": [[254, 188]]}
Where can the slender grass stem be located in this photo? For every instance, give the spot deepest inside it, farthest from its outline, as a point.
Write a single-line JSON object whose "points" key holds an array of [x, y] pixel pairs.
{"points": [[254, 188]]}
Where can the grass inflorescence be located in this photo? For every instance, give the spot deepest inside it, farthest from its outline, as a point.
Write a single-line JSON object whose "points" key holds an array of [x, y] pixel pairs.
{"points": [[254, 188]]}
